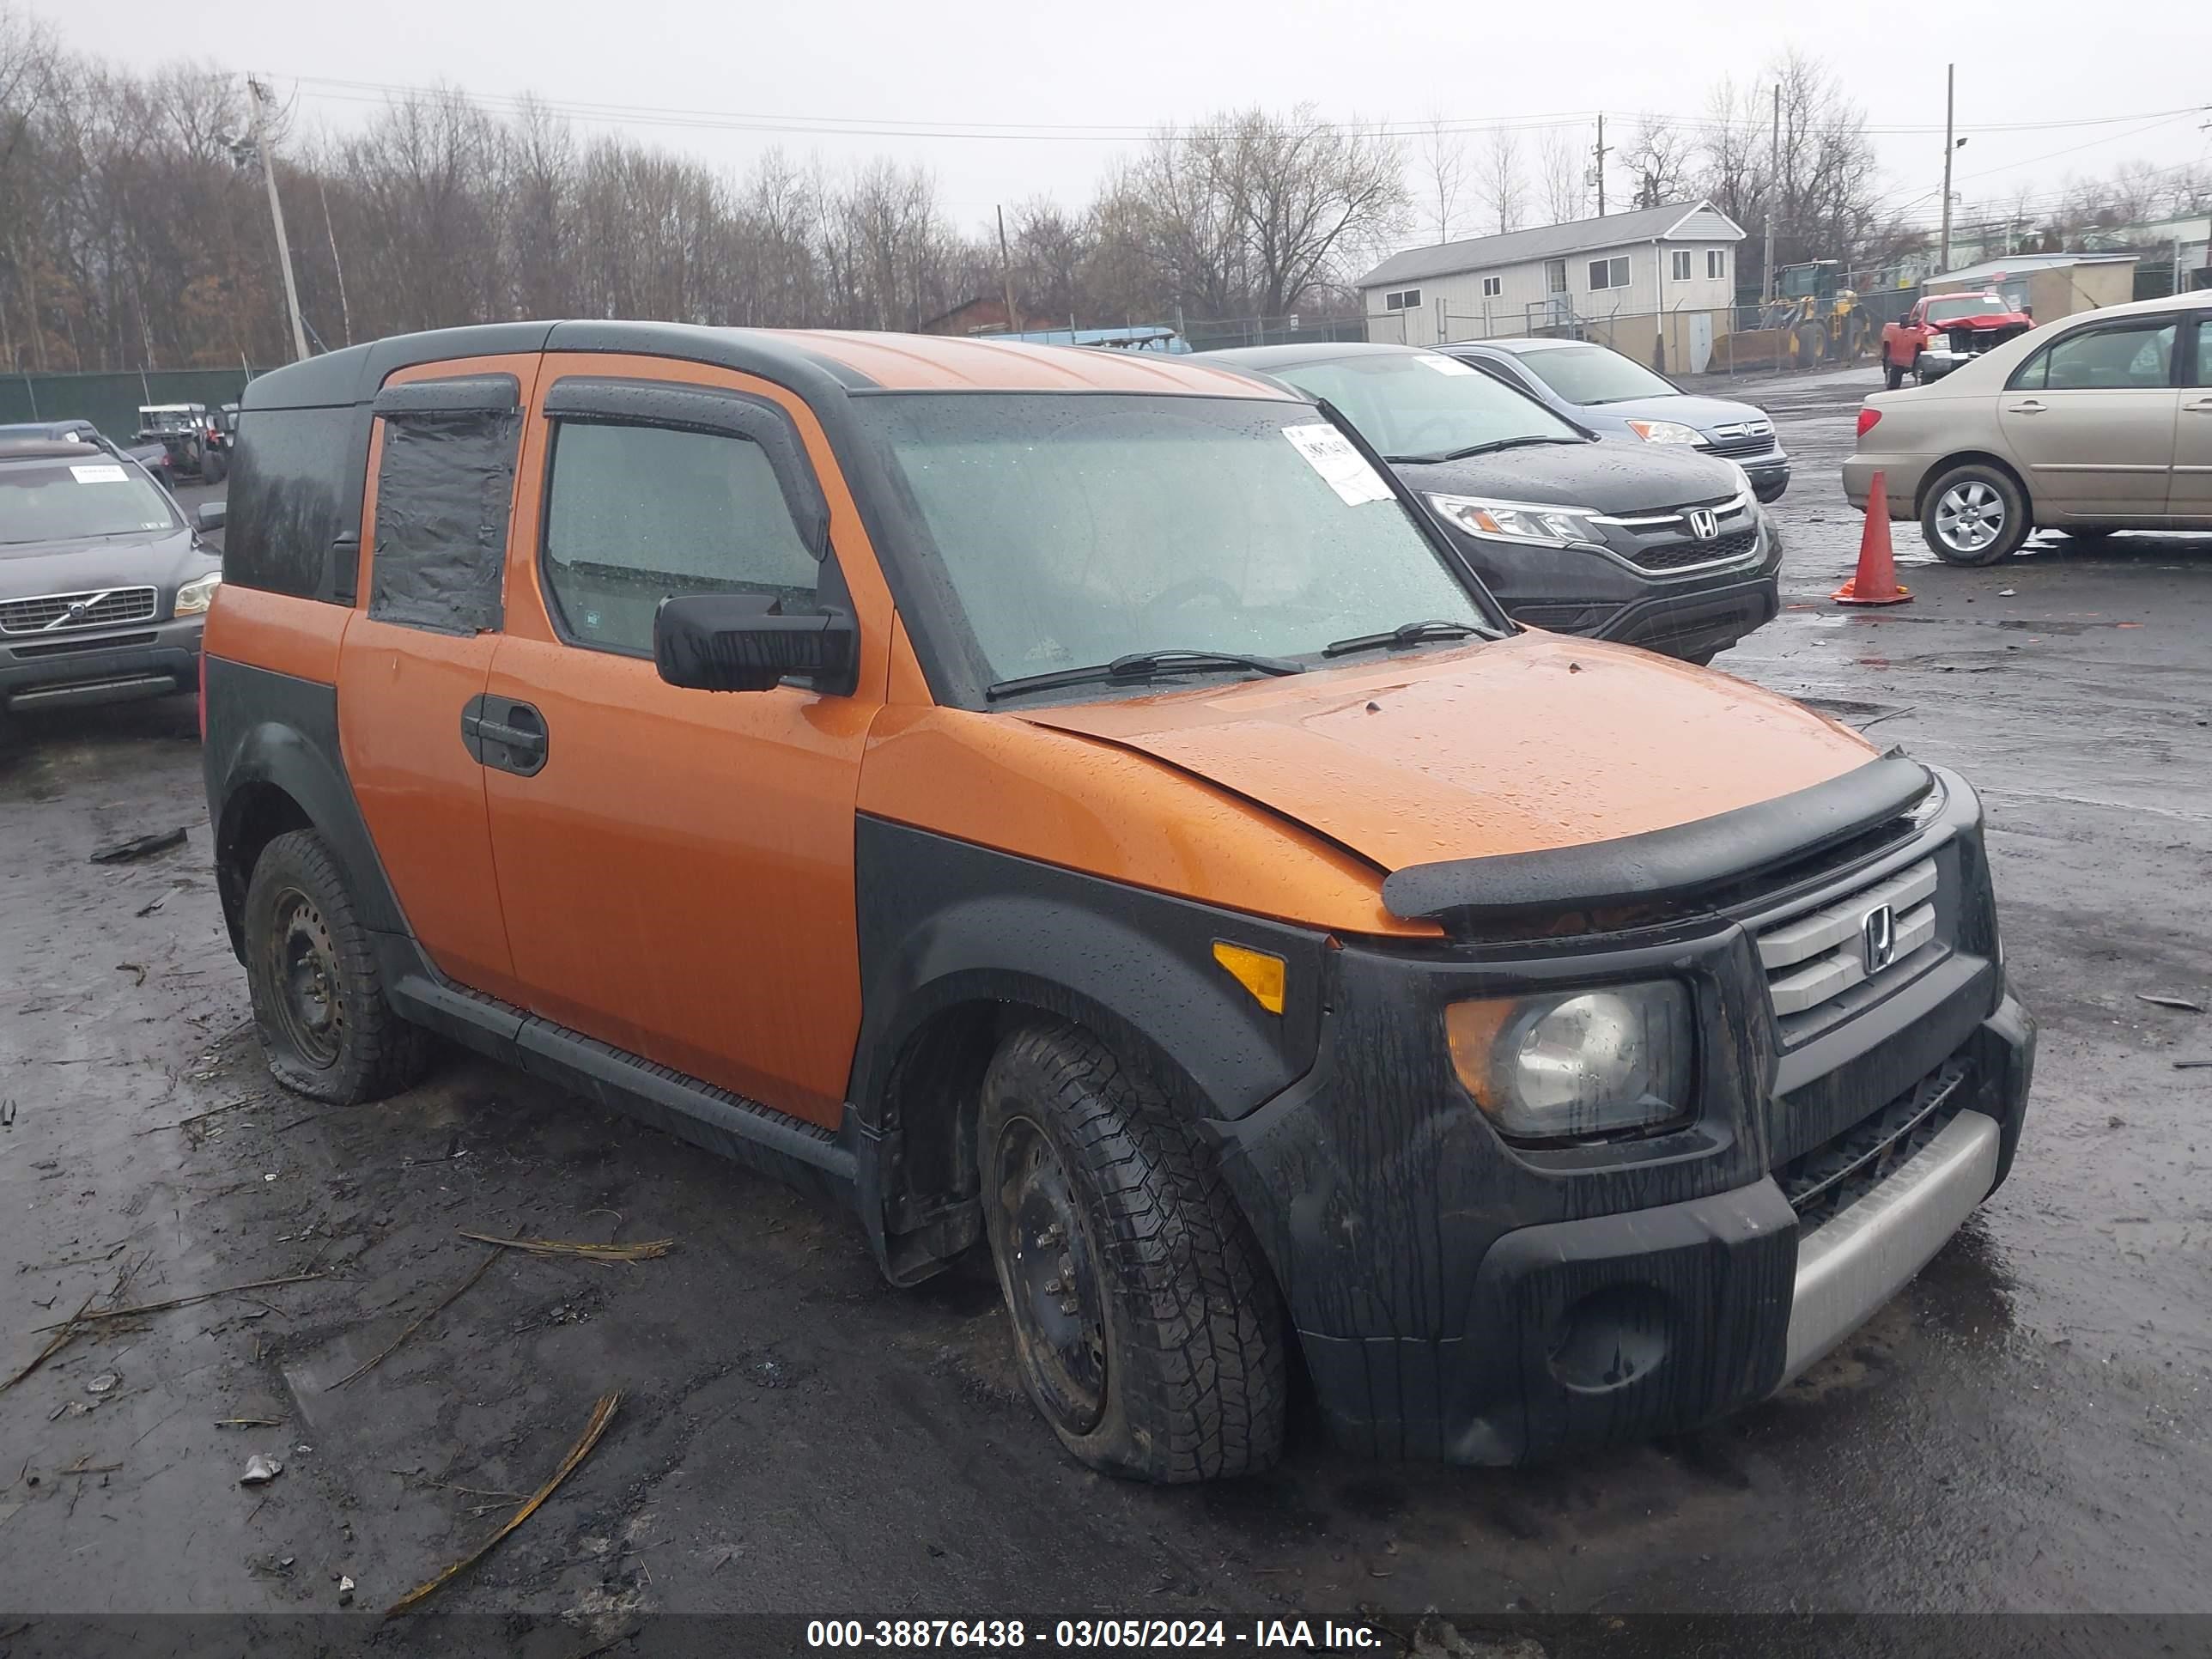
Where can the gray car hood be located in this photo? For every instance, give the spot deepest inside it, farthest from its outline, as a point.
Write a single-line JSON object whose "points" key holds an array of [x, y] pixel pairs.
{"points": [[1613, 476], [154, 558], [1704, 413]]}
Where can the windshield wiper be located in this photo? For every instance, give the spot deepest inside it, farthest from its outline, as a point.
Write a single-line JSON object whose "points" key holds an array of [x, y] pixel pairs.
{"points": [[1412, 633], [1136, 665], [1491, 447]]}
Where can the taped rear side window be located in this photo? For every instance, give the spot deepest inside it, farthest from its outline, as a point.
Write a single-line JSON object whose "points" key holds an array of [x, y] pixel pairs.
{"points": [[444, 487]]}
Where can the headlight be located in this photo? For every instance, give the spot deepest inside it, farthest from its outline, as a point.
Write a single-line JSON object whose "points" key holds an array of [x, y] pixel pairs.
{"points": [[1520, 521], [196, 595], [1575, 1063], [1665, 432]]}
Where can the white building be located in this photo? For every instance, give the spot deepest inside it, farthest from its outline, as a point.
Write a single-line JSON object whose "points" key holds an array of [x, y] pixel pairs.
{"points": [[1662, 277]]}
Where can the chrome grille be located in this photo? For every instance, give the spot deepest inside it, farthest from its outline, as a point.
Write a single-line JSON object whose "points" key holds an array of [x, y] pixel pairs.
{"points": [[1815, 957], [1741, 438], [53, 613]]}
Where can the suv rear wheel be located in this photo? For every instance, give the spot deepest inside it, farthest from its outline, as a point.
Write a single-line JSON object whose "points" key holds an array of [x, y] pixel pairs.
{"points": [[1148, 1329], [1893, 375], [319, 1002], [1974, 515]]}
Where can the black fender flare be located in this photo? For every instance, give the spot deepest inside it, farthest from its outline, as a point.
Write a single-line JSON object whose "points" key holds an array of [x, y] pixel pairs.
{"points": [[278, 730], [945, 922]]}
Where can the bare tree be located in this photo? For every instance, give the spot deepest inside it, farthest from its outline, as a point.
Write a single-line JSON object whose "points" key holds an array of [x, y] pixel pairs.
{"points": [[1663, 160], [1249, 212], [1559, 177], [1443, 171], [1504, 194]]}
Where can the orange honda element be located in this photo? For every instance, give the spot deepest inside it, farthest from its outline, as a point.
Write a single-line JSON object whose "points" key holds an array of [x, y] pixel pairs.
{"points": [[1080, 807]]}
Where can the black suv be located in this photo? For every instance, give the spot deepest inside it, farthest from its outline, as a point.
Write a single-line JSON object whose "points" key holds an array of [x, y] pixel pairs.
{"points": [[104, 586], [1646, 544]]}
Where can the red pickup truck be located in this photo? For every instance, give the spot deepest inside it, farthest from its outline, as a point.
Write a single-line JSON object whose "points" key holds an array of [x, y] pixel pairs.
{"points": [[1939, 333]]}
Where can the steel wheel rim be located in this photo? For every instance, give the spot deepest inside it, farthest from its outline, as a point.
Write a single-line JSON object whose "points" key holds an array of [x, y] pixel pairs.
{"points": [[1050, 1278], [1970, 516], [303, 967]]}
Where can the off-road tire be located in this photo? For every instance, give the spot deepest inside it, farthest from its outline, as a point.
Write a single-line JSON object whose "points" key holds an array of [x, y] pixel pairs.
{"points": [[1893, 375], [1196, 1347], [2015, 526], [373, 1052]]}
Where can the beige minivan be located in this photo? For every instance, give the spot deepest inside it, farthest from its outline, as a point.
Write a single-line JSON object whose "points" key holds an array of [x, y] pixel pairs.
{"points": [[2099, 422]]}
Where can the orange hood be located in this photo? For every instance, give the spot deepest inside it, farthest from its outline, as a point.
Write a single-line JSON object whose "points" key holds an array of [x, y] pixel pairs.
{"points": [[1512, 746]]}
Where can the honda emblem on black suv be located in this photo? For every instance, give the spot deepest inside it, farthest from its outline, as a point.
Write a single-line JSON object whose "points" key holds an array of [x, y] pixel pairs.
{"points": [[1878, 934], [1705, 524]]}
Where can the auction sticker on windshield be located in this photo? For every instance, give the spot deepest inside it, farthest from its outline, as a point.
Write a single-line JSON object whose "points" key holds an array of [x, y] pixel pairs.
{"points": [[99, 475], [1342, 468]]}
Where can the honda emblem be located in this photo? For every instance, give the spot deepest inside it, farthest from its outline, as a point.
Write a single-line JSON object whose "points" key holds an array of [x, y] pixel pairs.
{"points": [[1878, 933], [1703, 525]]}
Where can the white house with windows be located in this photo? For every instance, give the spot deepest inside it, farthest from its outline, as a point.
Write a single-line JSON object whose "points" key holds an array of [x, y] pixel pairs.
{"points": [[1634, 280]]}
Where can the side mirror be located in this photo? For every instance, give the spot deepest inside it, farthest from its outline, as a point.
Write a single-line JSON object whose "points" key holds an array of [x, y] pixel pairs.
{"points": [[211, 514], [744, 642]]}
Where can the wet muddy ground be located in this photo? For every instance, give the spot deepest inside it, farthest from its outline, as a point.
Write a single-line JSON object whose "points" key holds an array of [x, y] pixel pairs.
{"points": [[2029, 1426]]}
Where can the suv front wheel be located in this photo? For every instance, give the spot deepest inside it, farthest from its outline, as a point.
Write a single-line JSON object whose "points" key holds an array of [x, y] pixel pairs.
{"points": [[319, 1002], [1148, 1329], [1974, 515]]}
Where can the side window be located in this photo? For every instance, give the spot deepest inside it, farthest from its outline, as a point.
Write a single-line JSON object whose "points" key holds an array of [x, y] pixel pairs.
{"points": [[2121, 357], [444, 487], [287, 497], [635, 514], [2202, 377], [1678, 264]]}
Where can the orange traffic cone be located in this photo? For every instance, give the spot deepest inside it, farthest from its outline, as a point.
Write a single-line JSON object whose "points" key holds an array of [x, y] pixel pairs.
{"points": [[1874, 582]]}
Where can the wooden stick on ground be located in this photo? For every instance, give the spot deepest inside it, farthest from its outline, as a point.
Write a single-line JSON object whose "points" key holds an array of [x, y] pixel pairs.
{"points": [[458, 1292], [180, 1302], [67, 1329], [645, 1250], [602, 1414]]}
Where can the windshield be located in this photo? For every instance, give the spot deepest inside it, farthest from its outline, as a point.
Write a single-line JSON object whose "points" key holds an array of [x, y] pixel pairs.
{"points": [[166, 420], [1593, 375], [1417, 405], [1974, 305], [1076, 529], [60, 500]]}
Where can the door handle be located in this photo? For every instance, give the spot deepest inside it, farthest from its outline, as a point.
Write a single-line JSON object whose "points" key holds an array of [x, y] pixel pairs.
{"points": [[2031, 407], [2201, 406], [506, 734]]}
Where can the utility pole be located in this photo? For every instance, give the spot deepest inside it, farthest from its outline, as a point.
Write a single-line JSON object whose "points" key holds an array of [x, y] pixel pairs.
{"points": [[1006, 275], [1773, 188], [260, 95], [1950, 144], [345, 311], [1600, 164]]}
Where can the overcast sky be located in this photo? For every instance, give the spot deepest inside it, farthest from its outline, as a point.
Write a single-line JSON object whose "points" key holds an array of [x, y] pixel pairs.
{"points": [[1128, 66]]}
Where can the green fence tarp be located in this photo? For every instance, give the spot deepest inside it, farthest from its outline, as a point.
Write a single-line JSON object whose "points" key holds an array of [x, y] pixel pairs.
{"points": [[110, 402]]}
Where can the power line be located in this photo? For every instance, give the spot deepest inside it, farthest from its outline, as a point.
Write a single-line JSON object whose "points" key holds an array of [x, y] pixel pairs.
{"points": [[335, 89]]}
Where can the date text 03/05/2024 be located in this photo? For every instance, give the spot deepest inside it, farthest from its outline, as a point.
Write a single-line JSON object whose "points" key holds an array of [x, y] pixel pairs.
{"points": [[1009, 1635]]}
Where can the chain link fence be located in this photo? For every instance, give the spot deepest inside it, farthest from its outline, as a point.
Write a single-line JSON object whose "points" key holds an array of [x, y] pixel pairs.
{"points": [[110, 402], [1223, 333], [1684, 343]]}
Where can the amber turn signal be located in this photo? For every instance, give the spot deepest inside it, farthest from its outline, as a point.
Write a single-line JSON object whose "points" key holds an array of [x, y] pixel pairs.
{"points": [[1262, 974]]}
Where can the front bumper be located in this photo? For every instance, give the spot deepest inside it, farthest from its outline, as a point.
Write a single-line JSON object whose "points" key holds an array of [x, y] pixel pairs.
{"points": [[1769, 472], [150, 659], [1689, 614], [1458, 1298]]}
